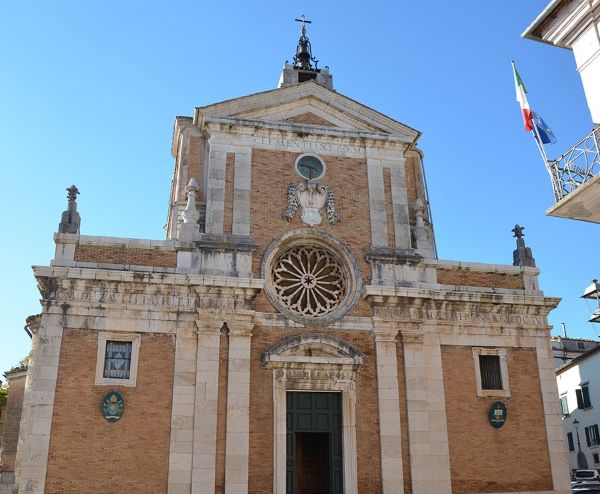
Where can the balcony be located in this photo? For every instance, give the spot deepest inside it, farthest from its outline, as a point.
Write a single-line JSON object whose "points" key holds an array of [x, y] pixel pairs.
{"points": [[575, 180]]}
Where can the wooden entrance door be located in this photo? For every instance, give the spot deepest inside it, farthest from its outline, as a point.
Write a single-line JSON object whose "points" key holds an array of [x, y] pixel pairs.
{"points": [[314, 443]]}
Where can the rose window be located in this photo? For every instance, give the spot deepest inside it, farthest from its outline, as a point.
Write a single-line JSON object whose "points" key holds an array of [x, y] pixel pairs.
{"points": [[309, 281]]}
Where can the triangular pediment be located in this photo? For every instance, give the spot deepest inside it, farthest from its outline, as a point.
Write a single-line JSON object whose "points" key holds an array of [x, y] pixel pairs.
{"points": [[308, 104]]}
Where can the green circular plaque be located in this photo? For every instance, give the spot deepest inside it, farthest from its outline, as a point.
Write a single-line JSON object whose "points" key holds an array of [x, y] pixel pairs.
{"points": [[497, 414]]}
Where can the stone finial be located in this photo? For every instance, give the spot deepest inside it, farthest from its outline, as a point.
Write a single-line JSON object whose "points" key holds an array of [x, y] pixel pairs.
{"points": [[518, 231], [420, 231], [522, 254], [190, 214], [70, 220]]}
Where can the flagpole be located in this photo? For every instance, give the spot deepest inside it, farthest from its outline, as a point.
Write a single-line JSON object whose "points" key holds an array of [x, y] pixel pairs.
{"points": [[540, 145]]}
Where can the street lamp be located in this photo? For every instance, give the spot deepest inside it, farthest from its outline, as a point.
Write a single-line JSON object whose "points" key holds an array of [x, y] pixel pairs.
{"points": [[582, 463]]}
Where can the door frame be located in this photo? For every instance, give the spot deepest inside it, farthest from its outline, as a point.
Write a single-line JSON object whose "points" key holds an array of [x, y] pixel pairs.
{"points": [[332, 369]]}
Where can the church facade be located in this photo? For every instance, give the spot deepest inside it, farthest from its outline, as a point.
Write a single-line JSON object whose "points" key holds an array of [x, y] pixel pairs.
{"points": [[295, 333]]}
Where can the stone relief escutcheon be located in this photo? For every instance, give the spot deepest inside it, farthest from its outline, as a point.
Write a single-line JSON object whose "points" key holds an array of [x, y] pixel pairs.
{"points": [[311, 197]]}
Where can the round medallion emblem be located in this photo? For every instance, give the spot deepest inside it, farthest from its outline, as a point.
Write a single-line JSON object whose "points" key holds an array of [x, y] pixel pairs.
{"points": [[112, 406], [309, 280], [497, 414]]}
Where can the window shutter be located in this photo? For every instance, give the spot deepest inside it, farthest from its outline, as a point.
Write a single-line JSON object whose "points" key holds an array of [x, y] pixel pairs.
{"points": [[579, 398], [587, 436], [564, 403], [570, 440], [586, 397], [596, 434], [489, 367]]}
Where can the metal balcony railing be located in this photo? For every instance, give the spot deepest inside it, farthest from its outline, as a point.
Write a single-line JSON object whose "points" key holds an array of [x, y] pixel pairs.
{"points": [[577, 166]]}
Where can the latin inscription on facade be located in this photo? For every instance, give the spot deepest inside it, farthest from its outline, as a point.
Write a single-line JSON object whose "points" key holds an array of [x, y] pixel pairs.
{"points": [[466, 317], [106, 297], [315, 375], [300, 145]]}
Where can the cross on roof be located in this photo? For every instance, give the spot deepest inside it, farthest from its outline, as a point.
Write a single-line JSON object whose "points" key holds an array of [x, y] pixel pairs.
{"points": [[303, 20]]}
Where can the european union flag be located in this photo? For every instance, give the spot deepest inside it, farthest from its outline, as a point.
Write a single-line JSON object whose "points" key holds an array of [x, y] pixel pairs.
{"points": [[543, 131]]}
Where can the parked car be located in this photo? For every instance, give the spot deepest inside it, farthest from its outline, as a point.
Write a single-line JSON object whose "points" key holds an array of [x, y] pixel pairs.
{"points": [[589, 475], [586, 488]]}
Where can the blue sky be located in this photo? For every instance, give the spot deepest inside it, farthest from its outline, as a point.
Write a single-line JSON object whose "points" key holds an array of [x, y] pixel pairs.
{"points": [[91, 90]]}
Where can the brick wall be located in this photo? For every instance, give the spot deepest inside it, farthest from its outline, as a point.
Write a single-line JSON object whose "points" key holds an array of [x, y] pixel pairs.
{"points": [[89, 454], [261, 411], [483, 459], [479, 278], [123, 255], [309, 118], [12, 420], [273, 172], [411, 186]]}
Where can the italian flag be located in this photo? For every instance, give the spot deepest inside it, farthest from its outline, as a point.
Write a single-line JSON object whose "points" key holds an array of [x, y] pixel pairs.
{"points": [[522, 99]]}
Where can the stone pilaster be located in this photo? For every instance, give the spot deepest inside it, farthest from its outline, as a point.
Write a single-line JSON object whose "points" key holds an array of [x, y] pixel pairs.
{"points": [[182, 414], [557, 447], [392, 475], [205, 406], [402, 232], [237, 439], [241, 192], [40, 388], [427, 426], [215, 189], [379, 236]]}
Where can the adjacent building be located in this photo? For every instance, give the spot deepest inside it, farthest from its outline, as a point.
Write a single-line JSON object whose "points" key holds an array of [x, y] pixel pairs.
{"points": [[579, 390], [565, 349], [575, 25], [295, 332]]}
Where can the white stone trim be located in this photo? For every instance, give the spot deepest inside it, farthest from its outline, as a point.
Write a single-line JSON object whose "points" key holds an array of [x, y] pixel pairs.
{"points": [[297, 375], [103, 338], [390, 434], [499, 352], [40, 388], [557, 446], [237, 439], [399, 200], [215, 188], [241, 192], [426, 404], [204, 449], [313, 91], [379, 231], [182, 412]]}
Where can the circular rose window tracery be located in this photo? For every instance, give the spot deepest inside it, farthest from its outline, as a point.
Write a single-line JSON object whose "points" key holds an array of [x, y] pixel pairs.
{"points": [[309, 281]]}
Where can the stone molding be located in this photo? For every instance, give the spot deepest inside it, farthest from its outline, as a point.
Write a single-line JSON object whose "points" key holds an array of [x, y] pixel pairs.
{"points": [[308, 90], [233, 134], [147, 291], [388, 397], [237, 436], [336, 371], [310, 236]]}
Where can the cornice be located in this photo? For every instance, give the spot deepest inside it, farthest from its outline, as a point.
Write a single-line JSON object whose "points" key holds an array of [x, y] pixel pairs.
{"points": [[253, 127]]}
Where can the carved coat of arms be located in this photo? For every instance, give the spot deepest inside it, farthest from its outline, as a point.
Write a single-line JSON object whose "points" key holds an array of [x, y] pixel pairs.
{"points": [[311, 197]]}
